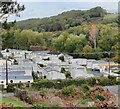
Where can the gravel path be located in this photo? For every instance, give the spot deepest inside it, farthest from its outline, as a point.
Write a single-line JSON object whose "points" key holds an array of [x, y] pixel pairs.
{"points": [[113, 89], [116, 91], [6, 95]]}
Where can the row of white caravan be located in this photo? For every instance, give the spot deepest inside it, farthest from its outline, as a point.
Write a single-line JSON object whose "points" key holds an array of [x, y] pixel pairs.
{"points": [[77, 67]]}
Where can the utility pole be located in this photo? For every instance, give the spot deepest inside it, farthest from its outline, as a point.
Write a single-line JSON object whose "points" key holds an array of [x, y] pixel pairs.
{"points": [[109, 63], [6, 72]]}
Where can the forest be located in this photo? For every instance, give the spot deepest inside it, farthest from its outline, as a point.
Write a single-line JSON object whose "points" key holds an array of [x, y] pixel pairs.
{"points": [[75, 31]]}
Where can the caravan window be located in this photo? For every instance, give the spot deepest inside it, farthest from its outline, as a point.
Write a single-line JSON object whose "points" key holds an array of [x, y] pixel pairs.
{"points": [[2, 82], [11, 81]]}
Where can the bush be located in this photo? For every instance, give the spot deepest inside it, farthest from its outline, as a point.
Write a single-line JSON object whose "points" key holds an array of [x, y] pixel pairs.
{"points": [[103, 81], [41, 65], [68, 90], [85, 87], [62, 58], [1, 87], [91, 81], [68, 74], [11, 87], [43, 83], [42, 92], [100, 97], [111, 77], [63, 70]]}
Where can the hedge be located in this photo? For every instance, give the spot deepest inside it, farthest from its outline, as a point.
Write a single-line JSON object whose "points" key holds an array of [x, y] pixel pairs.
{"points": [[59, 84]]}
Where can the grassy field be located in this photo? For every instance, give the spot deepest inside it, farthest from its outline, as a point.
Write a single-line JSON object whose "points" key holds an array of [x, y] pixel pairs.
{"points": [[15, 102]]}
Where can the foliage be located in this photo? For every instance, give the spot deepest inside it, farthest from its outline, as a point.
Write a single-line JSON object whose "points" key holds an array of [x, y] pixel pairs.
{"points": [[83, 101], [100, 97], [62, 58], [68, 74], [64, 20], [111, 77], [91, 81], [74, 40], [106, 81], [15, 62], [103, 81], [73, 35], [42, 92], [110, 18], [68, 90], [85, 87], [34, 76], [43, 83], [63, 70], [41, 65]]}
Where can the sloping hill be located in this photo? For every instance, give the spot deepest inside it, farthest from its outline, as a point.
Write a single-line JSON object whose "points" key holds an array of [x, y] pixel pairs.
{"points": [[64, 20]]}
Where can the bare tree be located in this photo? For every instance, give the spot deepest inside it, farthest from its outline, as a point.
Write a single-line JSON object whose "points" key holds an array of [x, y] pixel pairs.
{"points": [[9, 7], [94, 34]]}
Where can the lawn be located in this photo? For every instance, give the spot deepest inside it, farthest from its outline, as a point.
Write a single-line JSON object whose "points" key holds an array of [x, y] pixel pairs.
{"points": [[13, 101]]}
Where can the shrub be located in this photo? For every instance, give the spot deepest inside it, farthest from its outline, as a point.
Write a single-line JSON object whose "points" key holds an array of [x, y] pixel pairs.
{"points": [[42, 92], [11, 87], [62, 58], [68, 90], [100, 97], [103, 81], [1, 87], [68, 74], [118, 82], [91, 81], [41, 65], [111, 77], [43, 84], [85, 87], [62, 70]]}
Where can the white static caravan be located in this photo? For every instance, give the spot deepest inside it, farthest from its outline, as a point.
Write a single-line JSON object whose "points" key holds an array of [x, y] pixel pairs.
{"points": [[16, 74], [90, 63], [82, 61], [95, 65], [52, 75], [79, 72], [15, 77]]}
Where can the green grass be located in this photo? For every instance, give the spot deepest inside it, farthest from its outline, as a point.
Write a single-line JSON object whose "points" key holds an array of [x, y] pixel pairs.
{"points": [[13, 101], [83, 101]]}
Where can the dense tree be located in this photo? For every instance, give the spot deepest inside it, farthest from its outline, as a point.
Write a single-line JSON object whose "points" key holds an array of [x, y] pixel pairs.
{"points": [[64, 20], [107, 37]]}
